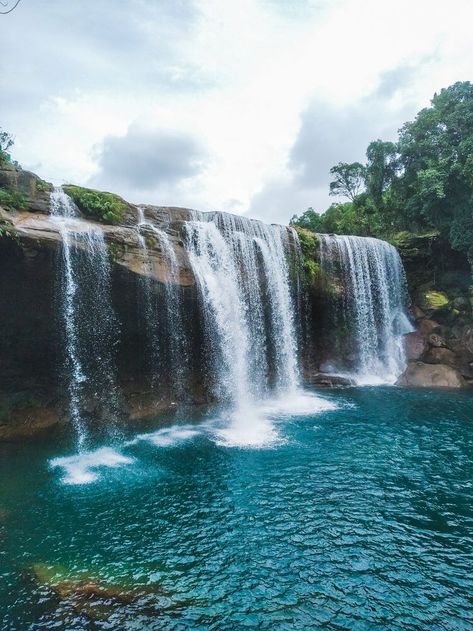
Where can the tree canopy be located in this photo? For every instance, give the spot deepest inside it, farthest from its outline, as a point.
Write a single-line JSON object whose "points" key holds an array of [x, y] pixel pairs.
{"points": [[422, 182]]}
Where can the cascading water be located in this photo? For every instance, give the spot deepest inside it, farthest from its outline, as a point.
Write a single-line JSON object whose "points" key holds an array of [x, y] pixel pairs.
{"points": [[241, 267], [89, 323], [149, 301], [372, 307], [175, 336]]}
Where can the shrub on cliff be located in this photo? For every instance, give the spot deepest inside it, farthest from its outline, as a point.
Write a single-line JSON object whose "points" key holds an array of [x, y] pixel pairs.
{"points": [[308, 242], [12, 200], [105, 207]]}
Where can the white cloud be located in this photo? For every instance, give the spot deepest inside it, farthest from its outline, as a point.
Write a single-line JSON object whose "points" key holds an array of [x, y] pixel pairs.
{"points": [[276, 91]]}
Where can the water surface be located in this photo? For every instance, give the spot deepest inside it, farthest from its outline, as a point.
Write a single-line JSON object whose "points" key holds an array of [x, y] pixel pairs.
{"points": [[358, 517]]}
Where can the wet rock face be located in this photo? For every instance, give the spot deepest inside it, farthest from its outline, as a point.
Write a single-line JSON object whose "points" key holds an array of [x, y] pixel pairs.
{"points": [[415, 345], [32, 360], [444, 318], [421, 375]]}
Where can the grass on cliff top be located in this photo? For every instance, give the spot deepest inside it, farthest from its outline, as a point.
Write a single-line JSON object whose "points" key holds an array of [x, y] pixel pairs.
{"points": [[105, 207]]}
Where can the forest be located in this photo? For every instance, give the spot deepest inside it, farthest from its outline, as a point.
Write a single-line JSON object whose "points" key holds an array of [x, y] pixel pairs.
{"points": [[422, 183]]}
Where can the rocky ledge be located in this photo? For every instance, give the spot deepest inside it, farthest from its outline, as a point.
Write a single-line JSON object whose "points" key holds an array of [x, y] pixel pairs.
{"points": [[439, 353]]}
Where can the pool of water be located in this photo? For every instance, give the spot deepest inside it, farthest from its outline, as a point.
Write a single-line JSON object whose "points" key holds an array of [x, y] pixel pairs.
{"points": [[356, 516]]}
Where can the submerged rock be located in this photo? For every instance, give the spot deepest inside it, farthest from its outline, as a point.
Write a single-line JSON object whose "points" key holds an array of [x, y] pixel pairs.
{"points": [[422, 375], [85, 594], [331, 381]]}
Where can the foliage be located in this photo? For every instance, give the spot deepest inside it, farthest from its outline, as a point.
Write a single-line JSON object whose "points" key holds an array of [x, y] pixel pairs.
{"points": [[6, 141], [42, 185], [349, 179], [7, 230], [105, 207], [347, 218], [308, 242], [11, 199], [423, 183]]}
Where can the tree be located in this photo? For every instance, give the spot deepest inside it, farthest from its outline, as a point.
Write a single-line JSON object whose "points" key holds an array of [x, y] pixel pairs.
{"points": [[381, 170], [349, 179], [6, 141], [436, 154]]}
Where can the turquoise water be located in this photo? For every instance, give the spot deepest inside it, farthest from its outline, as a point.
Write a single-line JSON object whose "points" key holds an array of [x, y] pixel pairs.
{"points": [[359, 517]]}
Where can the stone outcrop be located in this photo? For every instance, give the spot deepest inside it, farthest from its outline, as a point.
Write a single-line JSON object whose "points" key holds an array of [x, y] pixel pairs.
{"points": [[35, 190], [32, 399], [419, 374], [443, 316]]}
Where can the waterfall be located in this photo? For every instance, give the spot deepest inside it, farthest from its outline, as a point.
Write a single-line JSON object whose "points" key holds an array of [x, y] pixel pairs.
{"points": [[173, 331], [88, 320], [242, 272], [370, 308], [149, 301]]}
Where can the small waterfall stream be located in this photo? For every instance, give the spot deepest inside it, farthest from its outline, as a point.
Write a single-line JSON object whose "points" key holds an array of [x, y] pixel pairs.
{"points": [[89, 323], [173, 328], [372, 311]]}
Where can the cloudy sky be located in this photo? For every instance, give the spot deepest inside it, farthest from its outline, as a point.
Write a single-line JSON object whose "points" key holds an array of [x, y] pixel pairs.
{"points": [[240, 106]]}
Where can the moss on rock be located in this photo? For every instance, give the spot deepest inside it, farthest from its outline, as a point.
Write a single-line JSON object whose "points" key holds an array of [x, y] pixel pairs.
{"points": [[309, 242], [433, 300], [105, 207]]}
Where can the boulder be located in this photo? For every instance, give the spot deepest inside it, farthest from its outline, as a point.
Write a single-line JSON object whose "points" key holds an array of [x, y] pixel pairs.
{"points": [[35, 190], [426, 326], [415, 345], [437, 341], [421, 375], [330, 381], [417, 312], [439, 355]]}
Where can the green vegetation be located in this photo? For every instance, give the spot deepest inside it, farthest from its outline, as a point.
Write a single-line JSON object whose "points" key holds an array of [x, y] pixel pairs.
{"points": [[309, 243], [11, 199], [42, 185], [422, 184], [7, 230], [6, 142], [105, 207]]}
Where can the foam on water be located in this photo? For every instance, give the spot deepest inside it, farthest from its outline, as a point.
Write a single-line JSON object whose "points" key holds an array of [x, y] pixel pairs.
{"points": [[82, 468], [254, 427], [169, 436]]}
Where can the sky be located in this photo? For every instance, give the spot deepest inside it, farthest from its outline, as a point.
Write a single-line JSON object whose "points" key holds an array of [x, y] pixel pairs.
{"points": [[215, 104]]}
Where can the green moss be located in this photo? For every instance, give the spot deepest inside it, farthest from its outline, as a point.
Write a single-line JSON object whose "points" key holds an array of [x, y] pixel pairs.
{"points": [[405, 240], [312, 271], [308, 241], [12, 200], [431, 300], [105, 207], [115, 252], [43, 186]]}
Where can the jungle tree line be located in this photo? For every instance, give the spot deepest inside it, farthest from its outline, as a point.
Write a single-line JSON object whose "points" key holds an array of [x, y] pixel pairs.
{"points": [[423, 182]]}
